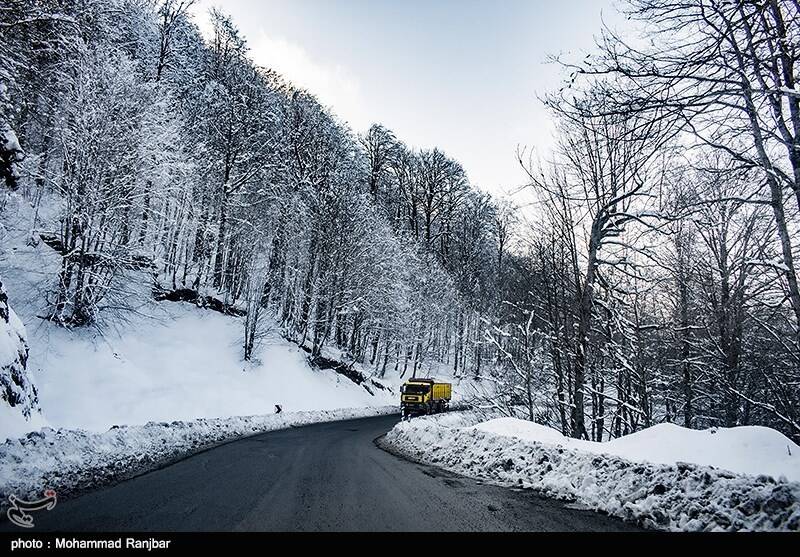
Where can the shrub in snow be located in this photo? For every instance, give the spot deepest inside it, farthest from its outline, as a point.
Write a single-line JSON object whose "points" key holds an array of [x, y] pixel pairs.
{"points": [[16, 387], [680, 497]]}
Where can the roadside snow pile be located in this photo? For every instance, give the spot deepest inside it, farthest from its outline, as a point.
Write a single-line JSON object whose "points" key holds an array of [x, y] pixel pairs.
{"points": [[750, 450], [73, 461], [677, 497]]}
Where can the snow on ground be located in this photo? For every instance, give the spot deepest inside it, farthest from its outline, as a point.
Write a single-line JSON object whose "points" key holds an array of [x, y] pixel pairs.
{"points": [[168, 361], [668, 496], [184, 364], [750, 450], [73, 461], [13, 424]]}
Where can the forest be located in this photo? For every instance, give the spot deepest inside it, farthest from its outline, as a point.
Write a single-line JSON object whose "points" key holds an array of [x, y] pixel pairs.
{"points": [[652, 279]]}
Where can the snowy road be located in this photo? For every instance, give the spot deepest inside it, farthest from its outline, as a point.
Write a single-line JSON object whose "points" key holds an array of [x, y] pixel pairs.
{"points": [[328, 477]]}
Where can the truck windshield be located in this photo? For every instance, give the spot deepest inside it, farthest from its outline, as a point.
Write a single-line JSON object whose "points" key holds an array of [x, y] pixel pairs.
{"points": [[416, 389]]}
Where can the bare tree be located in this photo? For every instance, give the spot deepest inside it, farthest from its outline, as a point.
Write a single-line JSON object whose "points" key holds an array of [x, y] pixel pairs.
{"points": [[600, 186]]}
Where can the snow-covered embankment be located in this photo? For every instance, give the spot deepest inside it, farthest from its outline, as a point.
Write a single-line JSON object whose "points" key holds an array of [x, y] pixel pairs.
{"points": [[677, 496]]}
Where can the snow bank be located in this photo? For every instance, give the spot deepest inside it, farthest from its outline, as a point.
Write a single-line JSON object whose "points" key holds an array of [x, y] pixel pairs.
{"points": [[677, 497], [72, 461], [750, 450]]}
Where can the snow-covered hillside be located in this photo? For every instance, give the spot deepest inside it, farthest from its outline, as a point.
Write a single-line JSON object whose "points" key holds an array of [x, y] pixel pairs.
{"points": [[166, 361], [183, 365]]}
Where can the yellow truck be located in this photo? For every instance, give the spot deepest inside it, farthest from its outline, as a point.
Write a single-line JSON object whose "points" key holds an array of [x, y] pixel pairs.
{"points": [[424, 396]]}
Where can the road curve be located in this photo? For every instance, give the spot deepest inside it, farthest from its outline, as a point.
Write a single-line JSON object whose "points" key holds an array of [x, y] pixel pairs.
{"points": [[325, 477]]}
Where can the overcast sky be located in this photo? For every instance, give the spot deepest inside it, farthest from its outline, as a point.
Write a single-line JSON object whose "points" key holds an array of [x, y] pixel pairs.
{"points": [[462, 75]]}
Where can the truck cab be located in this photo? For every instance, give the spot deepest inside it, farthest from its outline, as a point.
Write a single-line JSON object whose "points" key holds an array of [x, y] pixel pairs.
{"points": [[424, 396]]}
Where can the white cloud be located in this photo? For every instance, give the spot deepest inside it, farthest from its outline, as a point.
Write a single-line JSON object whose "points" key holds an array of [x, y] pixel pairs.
{"points": [[334, 86]]}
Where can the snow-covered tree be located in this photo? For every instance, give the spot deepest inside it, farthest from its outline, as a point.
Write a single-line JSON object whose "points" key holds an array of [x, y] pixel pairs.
{"points": [[17, 389]]}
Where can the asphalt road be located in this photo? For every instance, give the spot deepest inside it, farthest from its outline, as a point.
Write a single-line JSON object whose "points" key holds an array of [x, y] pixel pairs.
{"points": [[326, 477]]}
